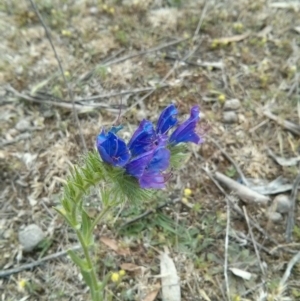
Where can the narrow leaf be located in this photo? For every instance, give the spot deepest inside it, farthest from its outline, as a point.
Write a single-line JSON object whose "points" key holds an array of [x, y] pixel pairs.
{"points": [[87, 276], [86, 227], [77, 260]]}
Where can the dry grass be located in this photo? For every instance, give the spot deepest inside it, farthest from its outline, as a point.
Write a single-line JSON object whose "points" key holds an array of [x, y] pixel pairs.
{"points": [[39, 141]]}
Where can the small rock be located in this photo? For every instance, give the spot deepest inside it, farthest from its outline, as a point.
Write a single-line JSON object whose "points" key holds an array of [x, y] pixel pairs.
{"points": [[231, 104], [30, 237], [274, 216], [93, 10], [282, 203], [202, 116], [230, 117], [23, 125], [141, 114]]}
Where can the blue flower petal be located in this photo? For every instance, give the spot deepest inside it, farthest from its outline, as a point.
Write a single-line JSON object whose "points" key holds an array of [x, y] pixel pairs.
{"points": [[137, 166], [112, 149], [148, 166], [167, 119], [160, 160], [186, 131], [143, 138], [152, 180]]}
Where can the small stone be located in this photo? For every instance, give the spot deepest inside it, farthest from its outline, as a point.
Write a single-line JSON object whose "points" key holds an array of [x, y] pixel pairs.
{"points": [[230, 117], [30, 237], [23, 125], [282, 203], [202, 116], [274, 216], [93, 10], [141, 114], [232, 104]]}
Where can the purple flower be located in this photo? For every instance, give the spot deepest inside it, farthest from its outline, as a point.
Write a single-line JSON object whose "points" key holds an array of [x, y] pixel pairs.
{"points": [[148, 166], [152, 180], [167, 119], [186, 132], [143, 138], [153, 176], [112, 149], [137, 165]]}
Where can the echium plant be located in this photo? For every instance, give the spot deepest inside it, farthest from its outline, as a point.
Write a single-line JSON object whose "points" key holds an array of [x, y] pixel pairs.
{"points": [[124, 172]]}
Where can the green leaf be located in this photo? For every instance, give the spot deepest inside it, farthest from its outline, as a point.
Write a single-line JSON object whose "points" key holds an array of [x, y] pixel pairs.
{"points": [[65, 215], [126, 188], [179, 155], [77, 260], [80, 187], [178, 160], [86, 228], [105, 197], [87, 276], [230, 172], [67, 204], [77, 176], [104, 281]]}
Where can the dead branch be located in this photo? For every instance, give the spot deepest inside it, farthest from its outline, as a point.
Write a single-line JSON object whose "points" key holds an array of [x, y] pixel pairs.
{"points": [[245, 193], [69, 106], [286, 124], [236, 166], [28, 266], [291, 216], [288, 270], [70, 92], [133, 55], [240, 211], [253, 241]]}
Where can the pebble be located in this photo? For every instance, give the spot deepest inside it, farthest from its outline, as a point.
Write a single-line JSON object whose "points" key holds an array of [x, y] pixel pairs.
{"points": [[93, 10], [30, 237], [274, 216], [230, 117], [140, 115], [231, 104], [282, 203], [22, 125]]}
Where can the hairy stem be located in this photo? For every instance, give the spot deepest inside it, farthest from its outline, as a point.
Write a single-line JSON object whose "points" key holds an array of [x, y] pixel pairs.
{"points": [[98, 218], [94, 284]]}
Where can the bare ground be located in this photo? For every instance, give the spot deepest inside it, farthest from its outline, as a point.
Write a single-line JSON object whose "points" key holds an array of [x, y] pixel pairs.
{"points": [[190, 52]]}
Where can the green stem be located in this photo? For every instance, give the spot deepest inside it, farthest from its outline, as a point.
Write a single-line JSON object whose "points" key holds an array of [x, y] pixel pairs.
{"points": [[94, 284], [98, 218]]}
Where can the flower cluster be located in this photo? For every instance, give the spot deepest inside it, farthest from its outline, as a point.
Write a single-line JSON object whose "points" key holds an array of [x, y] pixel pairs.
{"points": [[147, 156]]}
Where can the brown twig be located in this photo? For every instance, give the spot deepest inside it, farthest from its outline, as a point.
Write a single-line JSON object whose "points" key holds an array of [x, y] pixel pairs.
{"points": [[201, 19], [286, 124], [130, 56], [16, 139], [287, 273], [133, 91], [70, 92], [253, 241], [77, 104], [236, 166], [291, 215], [152, 91], [28, 266], [238, 209], [226, 250], [246, 194], [275, 249], [154, 49]]}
